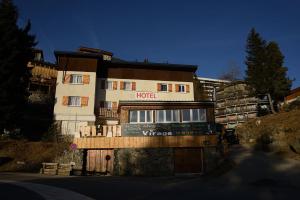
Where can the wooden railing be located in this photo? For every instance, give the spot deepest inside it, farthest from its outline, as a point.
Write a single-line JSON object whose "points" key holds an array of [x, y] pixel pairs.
{"points": [[108, 113], [146, 142]]}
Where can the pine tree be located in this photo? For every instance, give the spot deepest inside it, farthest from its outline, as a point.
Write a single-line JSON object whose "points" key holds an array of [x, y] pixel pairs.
{"points": [[279, 83], [265, 71], [15, 52], [256, 62]]}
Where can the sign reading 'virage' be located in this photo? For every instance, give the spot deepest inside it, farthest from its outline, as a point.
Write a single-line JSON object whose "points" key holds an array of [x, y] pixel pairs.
{"points": [[172, 129], [146, 95]]}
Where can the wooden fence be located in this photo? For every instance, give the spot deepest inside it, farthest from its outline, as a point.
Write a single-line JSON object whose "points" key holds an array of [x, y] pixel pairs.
{"points": [[145, 142]]}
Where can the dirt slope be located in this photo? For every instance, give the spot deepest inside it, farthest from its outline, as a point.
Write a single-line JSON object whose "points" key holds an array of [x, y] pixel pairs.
{"points": [[20, 155], [277, 132]]}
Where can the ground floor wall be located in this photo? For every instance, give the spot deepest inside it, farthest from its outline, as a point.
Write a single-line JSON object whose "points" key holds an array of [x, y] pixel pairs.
{"points": [[151, 161]]}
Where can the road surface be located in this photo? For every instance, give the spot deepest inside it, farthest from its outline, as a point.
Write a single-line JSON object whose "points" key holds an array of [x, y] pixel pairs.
{"points": [[256, 175]]}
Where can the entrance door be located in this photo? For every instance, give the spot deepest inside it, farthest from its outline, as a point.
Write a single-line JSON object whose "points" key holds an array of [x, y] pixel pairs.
{"points": [[188, 160], [100, 161]]}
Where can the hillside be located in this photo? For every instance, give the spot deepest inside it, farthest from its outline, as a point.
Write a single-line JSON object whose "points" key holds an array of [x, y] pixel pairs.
{"points": [[20, 155], [278, 132]]}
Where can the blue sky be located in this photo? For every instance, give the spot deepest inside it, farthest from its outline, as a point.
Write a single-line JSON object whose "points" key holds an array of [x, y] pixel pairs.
{"points": [[211, 34]]}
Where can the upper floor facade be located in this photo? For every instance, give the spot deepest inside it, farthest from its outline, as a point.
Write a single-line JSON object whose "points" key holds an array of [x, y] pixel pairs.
{"points": [[90, 79]]}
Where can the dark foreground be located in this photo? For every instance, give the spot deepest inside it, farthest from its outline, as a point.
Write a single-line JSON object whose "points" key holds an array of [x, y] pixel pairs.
{"points": [[256, 176]]}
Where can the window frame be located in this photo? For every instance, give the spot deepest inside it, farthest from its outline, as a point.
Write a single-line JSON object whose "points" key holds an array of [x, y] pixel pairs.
{"points": [[107, 84], [74, 105], [139, 117], [182, 120], [198, 114], [165, 116], [76, 75], [161, 87], [181, 86], [129, 85], [107, 103], [137, 114]]}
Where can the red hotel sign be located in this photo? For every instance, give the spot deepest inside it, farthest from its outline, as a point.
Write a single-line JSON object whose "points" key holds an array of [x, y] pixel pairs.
{"points": [[146, 95]]}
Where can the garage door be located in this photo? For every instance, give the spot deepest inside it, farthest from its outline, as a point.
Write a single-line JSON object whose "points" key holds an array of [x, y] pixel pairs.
{"points": [[188, 160]]}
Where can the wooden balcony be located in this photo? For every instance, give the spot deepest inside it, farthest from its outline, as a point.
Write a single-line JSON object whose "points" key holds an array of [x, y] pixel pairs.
{"points": [[108, 113], [146, 142]]}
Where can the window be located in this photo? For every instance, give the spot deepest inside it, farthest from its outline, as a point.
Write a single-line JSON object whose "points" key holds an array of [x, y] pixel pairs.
{"points": [[186, 115], [109, 85], [176, 116], [160, 116], [194, 115], [181, 88], [202, 114], [74, 101], [133, 116], [141, 116], [167, 116], [76, 79], [108, 104], [127, 86], [163, 87], [149, 116]]}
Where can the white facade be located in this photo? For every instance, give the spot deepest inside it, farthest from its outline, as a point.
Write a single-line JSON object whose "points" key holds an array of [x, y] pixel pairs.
{"points": [[110, 90], [74, 114]]}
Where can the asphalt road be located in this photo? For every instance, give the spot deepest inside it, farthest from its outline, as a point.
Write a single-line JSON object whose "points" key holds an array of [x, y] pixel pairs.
{"points": [[10, 191], [256, 175]]}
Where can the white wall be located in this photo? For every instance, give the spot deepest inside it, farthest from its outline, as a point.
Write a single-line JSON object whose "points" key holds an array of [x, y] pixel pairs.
{"points": [[142, 86], [69, 115]]}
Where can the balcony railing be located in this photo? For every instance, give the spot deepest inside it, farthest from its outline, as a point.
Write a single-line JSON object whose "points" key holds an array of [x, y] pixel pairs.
{"points": [[108, 113]]}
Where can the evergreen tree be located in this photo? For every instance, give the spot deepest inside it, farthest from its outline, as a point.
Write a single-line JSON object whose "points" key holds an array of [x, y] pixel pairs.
{"points": [[279, 83], [256, 62], [15, 52], [265, 71]]}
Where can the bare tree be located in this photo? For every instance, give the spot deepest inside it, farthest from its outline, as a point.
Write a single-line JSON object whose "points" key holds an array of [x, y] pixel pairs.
{"points": [[231, 73]]}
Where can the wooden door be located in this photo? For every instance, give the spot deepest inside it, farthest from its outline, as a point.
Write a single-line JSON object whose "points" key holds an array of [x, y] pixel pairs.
{"points": [[100, 161], [188, 160]]}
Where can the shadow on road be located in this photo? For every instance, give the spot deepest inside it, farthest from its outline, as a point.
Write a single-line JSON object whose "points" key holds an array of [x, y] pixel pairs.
{"points": [[255, 175]]}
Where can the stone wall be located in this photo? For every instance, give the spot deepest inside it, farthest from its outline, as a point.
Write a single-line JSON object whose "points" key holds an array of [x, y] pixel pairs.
{"points": [[141, 162], [70, 156]]}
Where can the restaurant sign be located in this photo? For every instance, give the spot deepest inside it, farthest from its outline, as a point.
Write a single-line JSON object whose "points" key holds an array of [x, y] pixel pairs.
{"points": [[164, 129]]}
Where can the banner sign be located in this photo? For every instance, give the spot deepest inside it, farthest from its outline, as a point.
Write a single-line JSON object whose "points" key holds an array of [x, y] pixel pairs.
{"points": [[167, 129]]}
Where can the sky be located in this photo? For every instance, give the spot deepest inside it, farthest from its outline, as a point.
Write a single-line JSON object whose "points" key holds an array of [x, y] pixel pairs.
{"points": [[209, 33]]}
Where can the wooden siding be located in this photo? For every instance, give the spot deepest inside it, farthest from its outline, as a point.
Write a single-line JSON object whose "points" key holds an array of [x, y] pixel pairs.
{"points": [[145, 142], [145, 73], [77, 64]]}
